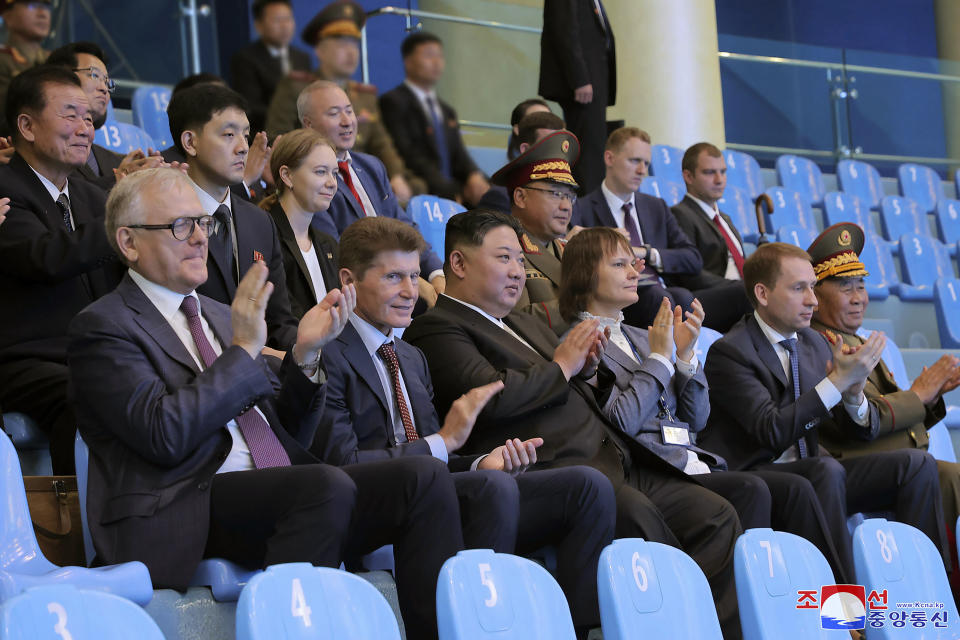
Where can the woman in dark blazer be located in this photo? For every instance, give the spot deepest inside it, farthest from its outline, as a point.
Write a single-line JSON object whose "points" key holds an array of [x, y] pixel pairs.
{"points": [[304, 167]]}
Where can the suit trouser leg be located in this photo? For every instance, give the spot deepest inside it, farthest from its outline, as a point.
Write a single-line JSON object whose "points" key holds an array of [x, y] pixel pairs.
{"points": [[264, 517], [723, 305], [589, 123], [574, 509], [904, 481], [796, 509], [411, 503], [949, 473], [747, 493], [489, 509]]}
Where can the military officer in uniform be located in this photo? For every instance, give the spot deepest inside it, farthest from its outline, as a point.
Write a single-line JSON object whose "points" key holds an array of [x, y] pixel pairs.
{"points": [[28, 25], [542, 191], [905, 414], [334, 33]]}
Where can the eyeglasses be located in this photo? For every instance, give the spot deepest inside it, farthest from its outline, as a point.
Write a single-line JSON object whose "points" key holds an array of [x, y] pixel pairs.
{"points": [[556, 195], [182, 228], [96, 75]]}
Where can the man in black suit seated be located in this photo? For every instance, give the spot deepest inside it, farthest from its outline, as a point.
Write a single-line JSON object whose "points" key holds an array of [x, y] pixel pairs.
{"points": [[209, 126], [646, 220], [366, 418], [425, 129], [197, 446], [719, 284], [256, 68], [471, 338], [56, 256], [775, 382]]}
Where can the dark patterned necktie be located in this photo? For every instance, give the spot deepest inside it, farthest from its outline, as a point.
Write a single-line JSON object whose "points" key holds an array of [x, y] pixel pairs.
{"points": [[790, 344], [439, 137], [63, 202], [389, 356]]}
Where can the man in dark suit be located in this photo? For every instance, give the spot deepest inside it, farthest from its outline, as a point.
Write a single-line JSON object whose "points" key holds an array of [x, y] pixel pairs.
{"points": [[56, 256], [366, 418], [775, 383], [471, 338], [654, 234], [578, 69], [425, 129], [210, 127], [719, 284], [363, 188], [199, 450], [256, 68]]}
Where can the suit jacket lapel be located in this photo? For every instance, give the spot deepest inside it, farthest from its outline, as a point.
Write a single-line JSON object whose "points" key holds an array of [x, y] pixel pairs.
{"points": [[356, 354], [285, 232], [602, 210], [807, 354], [766, 351], [419, 405], [154, 324], [542, 347]]}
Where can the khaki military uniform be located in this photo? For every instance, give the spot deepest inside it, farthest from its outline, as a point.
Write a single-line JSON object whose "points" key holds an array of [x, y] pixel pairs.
{"points": [[13, 62], [540, 296]]}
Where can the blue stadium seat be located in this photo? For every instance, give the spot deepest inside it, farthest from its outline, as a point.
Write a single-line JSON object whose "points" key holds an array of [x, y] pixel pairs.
{"points": [[430, 213], [900, 215], [921, 184], [704, 341], [671, 192], [32, 444], [922, 260], [744, 172], [946, 298], [899, 561], [123, 138], [948, 223], [803, 176], [845, 207], [22, 563], [656, 588], [796, 235], [860, 179], [789, 208], [883, 279], [665, 163], [770, 568], [149, 106], [59, 612], [482, 594], [300, 601], [737, 204]]}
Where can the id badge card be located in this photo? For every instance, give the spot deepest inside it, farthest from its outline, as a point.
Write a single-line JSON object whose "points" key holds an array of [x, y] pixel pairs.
{"points": [[675, 432]]}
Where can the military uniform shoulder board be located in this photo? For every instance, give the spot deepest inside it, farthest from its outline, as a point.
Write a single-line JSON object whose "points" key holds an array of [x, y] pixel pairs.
{"points": [[363, 88], [7, 49], [533, 274], [529, 246]]}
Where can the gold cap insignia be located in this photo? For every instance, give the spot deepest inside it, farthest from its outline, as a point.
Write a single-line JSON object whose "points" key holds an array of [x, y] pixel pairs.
{"points": [[565, 146], [844, 240], [347, 10]]}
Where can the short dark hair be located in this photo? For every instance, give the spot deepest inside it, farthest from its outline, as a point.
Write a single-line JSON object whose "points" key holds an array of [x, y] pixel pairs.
{"points": [[692, 155], [196, 106], [66, 56], [528, 127], [763, 265], [27, 91], [362, 241], [195, 79], [415, 39], [259, 6], [579, 269], [468, 229], [520, 110]]}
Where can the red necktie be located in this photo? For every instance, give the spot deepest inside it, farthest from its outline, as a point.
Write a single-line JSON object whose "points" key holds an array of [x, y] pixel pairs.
{"points": [[345, 174], [265, 448], [731, 245], [389, 356]]}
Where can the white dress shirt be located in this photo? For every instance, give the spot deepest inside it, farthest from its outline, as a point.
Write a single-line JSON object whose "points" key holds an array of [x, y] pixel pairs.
{"points": [[422, 96], [368, 207], [282, 54], [210, 205], [316, 275], [372, 339], [830, 396], [711, 213], [615, 204], [55, 192]]}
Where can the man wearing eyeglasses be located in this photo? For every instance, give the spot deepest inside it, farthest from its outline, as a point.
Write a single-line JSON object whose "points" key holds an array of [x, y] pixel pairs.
{"points": [[28, 25], [542, 191], [56, 259]]}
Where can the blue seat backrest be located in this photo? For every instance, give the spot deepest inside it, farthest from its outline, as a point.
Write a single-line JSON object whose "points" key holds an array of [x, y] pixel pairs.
{"points": [[291, 601], [81, 459], [482, 594], [893, 358], [874, 256], [743, 171], [771, 569], [737, 204], [123, 138], [948, 220], [149, 106], [62, 611], [669, 191], [665, 162], [789, 208], [898, 563], [654, 587], [796, 235], [704, 341], [839, 206], [18, 543], [900, 215], [862, 180], [803, 176], [430, 213], [921, 184], [923, 259], [946, 298]]}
